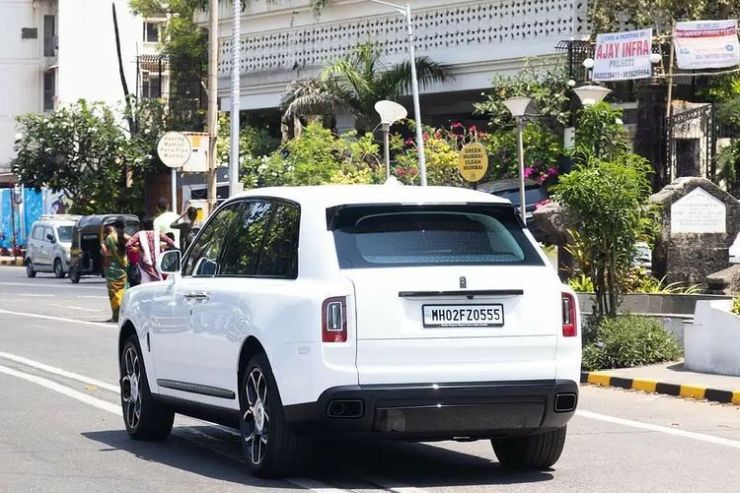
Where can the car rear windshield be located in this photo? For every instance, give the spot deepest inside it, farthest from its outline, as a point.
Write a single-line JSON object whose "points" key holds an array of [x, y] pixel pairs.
{"points": [[397, 235], [65, 233]]}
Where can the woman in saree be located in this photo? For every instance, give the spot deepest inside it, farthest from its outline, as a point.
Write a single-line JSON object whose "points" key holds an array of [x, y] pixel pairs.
{"points": [[115, 274]]}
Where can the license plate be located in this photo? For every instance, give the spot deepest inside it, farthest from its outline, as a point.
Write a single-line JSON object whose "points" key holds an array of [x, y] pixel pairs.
{"points": [[491, 315]]}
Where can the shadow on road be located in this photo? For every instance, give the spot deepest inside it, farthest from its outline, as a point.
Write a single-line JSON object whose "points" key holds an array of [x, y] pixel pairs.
{"points": [[423, 465], [210, 452], [182, 450]]}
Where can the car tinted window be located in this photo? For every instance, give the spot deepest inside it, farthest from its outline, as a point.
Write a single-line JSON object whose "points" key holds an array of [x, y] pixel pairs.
{"points": [[280, 253], [378, 236], [64, 233], [38, 233], [242, 255], [202, 259]]}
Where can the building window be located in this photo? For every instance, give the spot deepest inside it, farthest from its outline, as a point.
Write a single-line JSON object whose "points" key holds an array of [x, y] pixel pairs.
{"points": [[151, 85], [152, 32], [49, 90], [50, 35]]}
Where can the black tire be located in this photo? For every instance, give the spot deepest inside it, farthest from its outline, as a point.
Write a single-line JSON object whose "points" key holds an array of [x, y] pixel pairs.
{"points": [[534, 452], [74, 274], [144, 417], [58, 269], [271, 447], [30, 271]]}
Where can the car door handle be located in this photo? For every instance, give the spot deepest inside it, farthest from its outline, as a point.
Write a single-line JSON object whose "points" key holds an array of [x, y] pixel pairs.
{"points": [[194, 297]]}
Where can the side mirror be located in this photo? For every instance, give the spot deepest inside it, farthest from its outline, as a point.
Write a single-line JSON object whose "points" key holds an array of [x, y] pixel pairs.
{"points": [[50, 237], [169, 262]]}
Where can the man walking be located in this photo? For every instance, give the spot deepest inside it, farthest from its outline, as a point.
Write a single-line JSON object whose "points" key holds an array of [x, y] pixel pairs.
{"points": [[164, 219]]}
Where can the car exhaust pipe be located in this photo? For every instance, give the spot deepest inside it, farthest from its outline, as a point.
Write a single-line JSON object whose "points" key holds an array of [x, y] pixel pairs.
{"points": [[565, 402], [345, 409]]}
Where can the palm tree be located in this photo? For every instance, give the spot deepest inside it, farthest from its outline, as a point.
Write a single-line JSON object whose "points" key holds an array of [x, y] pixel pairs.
{"points": [[355, 83]]}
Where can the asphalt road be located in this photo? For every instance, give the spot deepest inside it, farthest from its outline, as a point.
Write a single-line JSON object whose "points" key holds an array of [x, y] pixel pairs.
{"points": [[61, 430]]}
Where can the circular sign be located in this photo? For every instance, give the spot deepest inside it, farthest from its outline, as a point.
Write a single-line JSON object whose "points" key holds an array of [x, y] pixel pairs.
{"points": [[473, 162], [174, 149]]}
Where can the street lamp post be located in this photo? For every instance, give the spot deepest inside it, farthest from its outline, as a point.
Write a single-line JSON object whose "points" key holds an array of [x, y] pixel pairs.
{"points": [[390, 112], [518, 107], [405, 10], [591, 94]]}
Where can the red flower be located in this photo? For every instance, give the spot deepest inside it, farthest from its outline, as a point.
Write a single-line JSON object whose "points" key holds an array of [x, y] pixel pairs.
{"points": [[457, 125]]}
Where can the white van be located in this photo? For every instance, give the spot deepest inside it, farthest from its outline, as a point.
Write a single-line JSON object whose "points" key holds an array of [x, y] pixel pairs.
{"points": [[49, 245]]}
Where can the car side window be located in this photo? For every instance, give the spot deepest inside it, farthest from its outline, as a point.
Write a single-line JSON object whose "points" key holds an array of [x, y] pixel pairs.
{"points": [[242, 255], [47, 232], [280, 253], [38, 233], [202, 260]]}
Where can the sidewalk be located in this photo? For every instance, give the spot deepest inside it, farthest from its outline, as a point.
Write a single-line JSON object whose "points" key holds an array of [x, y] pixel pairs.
{"points": [[11, 261], [669, 378]]}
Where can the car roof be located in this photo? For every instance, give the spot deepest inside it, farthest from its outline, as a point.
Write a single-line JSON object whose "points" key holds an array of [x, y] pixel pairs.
{"points": [[333, 195]]}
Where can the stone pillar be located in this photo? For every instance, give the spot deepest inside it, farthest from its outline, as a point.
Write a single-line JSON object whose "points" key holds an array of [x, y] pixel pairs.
{"points": [[699, 222]]}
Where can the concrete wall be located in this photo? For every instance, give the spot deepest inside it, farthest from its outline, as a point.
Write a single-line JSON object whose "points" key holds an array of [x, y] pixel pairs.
{"points": [[20, 69], [88, 64], [713, 340]]}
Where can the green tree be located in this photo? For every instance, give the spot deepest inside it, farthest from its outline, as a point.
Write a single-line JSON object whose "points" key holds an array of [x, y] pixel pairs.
{"points": [[317, 157], [605, 202], [609, 16], [356, 82], [78, 150], [600, 134]]}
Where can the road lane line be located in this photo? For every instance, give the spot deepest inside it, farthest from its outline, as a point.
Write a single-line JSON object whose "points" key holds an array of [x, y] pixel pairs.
{"points": [[56, 387], [306, 483], [49, 285], [660, 429], [78, 308], [32, 295], [59, 319], [60, 372], [90, 297]]}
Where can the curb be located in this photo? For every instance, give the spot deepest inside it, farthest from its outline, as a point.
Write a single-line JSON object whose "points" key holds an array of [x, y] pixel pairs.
{"points": [[18, 262], [650, 386]]}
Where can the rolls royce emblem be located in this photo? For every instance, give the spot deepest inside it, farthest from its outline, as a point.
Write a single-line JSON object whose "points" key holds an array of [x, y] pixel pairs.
{"points": [[463, 282]]}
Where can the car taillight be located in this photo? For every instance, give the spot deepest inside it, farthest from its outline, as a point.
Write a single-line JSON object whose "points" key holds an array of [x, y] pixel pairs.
{"points": [[334, 320], [569, 315]]}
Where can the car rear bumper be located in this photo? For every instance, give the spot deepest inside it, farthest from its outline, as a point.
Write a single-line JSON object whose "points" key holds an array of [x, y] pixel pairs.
{"points": [[438, 412]]}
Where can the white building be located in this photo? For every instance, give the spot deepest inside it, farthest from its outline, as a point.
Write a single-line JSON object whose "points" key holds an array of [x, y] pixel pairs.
{"points": [[54, 52], [284, 41]]}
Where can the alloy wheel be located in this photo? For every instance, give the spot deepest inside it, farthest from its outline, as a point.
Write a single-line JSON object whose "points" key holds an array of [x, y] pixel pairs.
{"points": [[256, 418], [131, 387]]}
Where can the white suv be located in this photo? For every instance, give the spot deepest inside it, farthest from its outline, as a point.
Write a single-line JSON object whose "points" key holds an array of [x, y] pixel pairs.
{"points": [[356, 311]]}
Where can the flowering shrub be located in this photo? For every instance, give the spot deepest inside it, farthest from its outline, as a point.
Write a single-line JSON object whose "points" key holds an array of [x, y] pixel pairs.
{"points": [[736, 305], [441, 149], [542, 149]]}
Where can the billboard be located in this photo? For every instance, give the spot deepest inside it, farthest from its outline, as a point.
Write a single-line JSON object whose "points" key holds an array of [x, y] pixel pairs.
{"points": [[706, 44]]}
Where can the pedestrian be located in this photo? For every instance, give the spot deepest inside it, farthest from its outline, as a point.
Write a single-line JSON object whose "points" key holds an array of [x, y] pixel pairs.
{"points": [[117, 262], [184, 224], [107, 230], [148, 244], [165, 218]]}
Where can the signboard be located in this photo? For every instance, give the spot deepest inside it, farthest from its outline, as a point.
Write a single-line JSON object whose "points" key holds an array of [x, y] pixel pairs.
{"points": [[473, 162], [623, 56], [174, 149], [698, 212], [706, 44], [198, 162]]}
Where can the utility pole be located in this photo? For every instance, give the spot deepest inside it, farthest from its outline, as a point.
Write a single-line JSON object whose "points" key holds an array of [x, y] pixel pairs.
{"points": [[212, 100], [235, 95]]}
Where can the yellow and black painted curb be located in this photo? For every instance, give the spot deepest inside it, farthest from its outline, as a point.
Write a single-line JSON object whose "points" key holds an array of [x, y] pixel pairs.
{"points": [[687, 391], [12, 261]]}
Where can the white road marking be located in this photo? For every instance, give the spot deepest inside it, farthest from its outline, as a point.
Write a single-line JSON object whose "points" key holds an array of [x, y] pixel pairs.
{"points": [[33, 295], [49, 285], [79, 308], [660, 429], [56, 387], [60, 372], [59, 319], [88, 297], [308, 484]]}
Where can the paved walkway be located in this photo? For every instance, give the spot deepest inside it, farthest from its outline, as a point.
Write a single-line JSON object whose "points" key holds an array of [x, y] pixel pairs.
{"points": [[11, 261], [670, 378]]}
